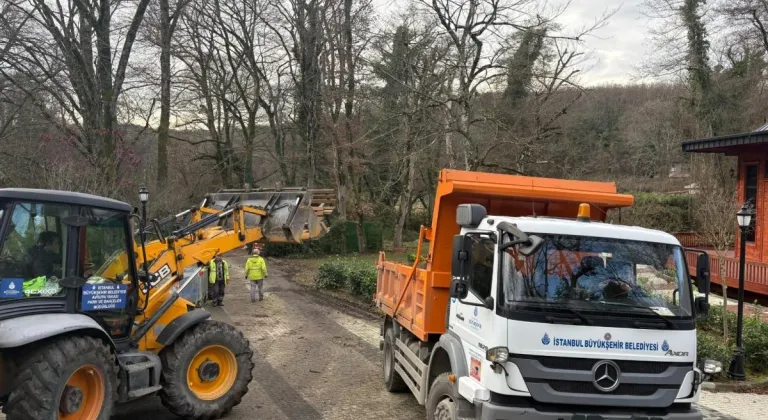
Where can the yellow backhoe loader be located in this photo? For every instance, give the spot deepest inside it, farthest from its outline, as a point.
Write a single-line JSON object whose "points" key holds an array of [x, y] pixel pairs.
{"points": [[91, 313]]}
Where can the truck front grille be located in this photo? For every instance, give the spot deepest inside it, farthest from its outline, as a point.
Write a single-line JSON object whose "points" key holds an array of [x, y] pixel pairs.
{"points": [[575, 387], [626, 366], [561, 380]]}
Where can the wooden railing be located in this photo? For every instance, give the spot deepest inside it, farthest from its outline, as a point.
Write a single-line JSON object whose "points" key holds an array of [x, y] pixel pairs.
{"points": [[755, 273], [692, 240]]}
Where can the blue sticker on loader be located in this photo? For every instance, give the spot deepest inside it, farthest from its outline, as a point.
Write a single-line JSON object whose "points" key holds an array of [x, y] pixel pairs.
{"points": [[103, 297], [11, 288]]}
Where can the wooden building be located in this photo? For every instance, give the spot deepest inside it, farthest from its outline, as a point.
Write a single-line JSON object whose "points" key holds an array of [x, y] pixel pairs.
{"points": [[751, 149]]}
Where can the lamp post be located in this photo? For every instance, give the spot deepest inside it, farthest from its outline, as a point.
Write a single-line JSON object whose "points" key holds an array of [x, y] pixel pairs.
{"points": [[736, 370], [144, 197]]}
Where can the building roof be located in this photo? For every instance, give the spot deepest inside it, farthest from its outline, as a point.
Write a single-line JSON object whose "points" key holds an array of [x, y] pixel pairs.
{"points": [[729, 143], [64, 197]]}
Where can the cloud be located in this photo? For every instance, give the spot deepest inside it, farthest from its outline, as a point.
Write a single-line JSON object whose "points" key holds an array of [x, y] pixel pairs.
{"points": [[618, 47]]}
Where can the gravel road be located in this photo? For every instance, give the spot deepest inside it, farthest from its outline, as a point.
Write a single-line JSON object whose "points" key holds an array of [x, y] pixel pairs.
{"points": [[312, 361]]}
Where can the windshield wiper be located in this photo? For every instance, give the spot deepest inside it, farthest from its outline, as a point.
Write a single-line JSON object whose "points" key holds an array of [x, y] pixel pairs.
{"points": [[666, 320], [580, 319]]}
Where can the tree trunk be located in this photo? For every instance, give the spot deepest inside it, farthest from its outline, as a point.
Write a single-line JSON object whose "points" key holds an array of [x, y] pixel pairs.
{"points": [[361, 245], [249, 136], [163, 130], [107, 94], [449, 109], [405, 197]]}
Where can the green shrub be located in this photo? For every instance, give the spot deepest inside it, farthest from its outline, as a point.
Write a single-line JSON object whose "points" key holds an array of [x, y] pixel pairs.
{"points": [[332, 275], [412, 258], [667, 212], [356, 277], [712, 347], [711, 343]]}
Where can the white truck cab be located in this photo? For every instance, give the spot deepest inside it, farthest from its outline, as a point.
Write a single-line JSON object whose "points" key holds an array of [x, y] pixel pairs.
{"points": [[570, 319]]}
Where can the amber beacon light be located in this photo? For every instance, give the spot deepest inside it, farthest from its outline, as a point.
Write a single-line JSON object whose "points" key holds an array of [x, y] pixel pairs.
{"points": [[583, 212]]}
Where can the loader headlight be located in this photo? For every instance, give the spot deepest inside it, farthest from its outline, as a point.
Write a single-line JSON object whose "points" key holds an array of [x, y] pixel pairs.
{"points": [[497, 355], [711, 367]]}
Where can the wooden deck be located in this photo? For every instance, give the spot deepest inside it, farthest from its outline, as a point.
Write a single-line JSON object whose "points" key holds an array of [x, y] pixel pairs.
{"points": [[755, 275]]}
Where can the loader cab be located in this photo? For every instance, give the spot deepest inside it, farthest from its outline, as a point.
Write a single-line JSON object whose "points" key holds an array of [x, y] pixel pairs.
{"points": [[64, 252]]}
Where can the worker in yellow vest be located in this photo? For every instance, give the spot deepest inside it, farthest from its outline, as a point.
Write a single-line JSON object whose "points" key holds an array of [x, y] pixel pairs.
{"points": [[218, 278], [255, 273]]}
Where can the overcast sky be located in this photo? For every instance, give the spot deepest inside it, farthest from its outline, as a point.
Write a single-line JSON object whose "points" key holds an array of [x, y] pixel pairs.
{"points": [[616, 48], [619, 46]]}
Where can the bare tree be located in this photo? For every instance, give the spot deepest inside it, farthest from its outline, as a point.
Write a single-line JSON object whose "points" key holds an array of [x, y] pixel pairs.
{"points": [[716, 206], [410, 65], [162, 19], [56, 52]]}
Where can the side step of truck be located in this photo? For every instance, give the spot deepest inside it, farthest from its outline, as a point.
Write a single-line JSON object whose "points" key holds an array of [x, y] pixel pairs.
{"points": [[412, 370], [139, 374]]}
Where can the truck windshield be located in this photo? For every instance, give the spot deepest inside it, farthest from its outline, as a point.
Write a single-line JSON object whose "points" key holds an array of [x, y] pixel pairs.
{"points": [[613, 275]]}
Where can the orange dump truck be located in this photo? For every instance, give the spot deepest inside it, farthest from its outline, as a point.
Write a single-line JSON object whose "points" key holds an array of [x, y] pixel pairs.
{"points": [[467, 329]]}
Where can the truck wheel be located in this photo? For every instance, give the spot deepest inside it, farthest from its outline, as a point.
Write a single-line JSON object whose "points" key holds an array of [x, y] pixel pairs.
{"points": [[393, 381], [70, 378], [206, 371], [441, 401]]}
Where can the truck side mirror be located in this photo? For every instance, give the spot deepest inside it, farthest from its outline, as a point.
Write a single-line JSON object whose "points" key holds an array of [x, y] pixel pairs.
{"points": [[462, 249], [702, 308], [702, 273], [533, 245]]}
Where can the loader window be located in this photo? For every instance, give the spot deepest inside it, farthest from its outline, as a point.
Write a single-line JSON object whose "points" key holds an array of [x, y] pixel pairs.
{"points": [[482, 265], [32, 255], [104, 262], [105, 258]]}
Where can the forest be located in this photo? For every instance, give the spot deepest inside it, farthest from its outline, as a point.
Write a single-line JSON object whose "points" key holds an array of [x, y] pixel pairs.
{"points": [[190, 96]]}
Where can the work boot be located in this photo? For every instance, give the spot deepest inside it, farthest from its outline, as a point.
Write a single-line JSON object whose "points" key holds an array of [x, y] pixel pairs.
{"points": [[261, 298]]}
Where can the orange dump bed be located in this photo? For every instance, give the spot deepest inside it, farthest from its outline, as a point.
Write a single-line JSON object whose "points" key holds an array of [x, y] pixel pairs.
{"points": [[419, 296]]}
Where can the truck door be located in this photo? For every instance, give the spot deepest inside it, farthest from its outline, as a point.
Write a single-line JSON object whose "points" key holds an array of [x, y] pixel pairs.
{"points": [[470, 319]]}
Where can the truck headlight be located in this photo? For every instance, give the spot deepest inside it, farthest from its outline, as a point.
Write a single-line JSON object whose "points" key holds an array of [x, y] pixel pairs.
{"points": [[497, 355], [711, 367]]}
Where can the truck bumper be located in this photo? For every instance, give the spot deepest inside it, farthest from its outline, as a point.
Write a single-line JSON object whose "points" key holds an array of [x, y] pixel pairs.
{"points": [[491, 411]]}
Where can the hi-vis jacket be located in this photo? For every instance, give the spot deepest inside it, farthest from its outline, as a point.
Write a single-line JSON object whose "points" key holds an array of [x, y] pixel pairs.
{"points": [[255, 268], [212, 271]]}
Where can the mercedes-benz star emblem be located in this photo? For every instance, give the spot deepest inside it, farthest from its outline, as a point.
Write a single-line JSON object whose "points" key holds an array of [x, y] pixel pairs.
{"points": [[606, 375]]}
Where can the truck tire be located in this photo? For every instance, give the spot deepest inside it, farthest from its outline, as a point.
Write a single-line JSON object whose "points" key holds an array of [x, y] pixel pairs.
{"points": [[206, 371], [441, 401], [67, 378], [392, 380]]}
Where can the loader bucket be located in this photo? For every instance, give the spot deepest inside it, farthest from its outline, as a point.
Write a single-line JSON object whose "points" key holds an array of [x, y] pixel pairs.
{"points": [[290, 218]]}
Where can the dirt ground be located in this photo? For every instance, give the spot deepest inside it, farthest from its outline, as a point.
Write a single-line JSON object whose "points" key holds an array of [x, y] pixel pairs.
{"points": [[314, 360]]}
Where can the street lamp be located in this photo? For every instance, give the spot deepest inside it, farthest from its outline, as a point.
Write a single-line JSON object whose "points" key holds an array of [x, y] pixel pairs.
{"points": [[144, 197], [736, 370]]}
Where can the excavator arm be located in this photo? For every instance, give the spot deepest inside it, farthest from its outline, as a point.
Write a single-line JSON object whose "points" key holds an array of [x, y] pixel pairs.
{"points": [[225, 221]]}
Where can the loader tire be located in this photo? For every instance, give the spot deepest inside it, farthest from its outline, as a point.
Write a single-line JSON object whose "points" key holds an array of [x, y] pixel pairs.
{"points": [[206, 371], [68, 378], [392, 380]]}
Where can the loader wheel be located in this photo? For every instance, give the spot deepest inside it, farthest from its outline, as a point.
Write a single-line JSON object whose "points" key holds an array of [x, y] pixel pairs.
{"points": [[441, 401], [392, 380], [206, 371], [70, 378]]}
